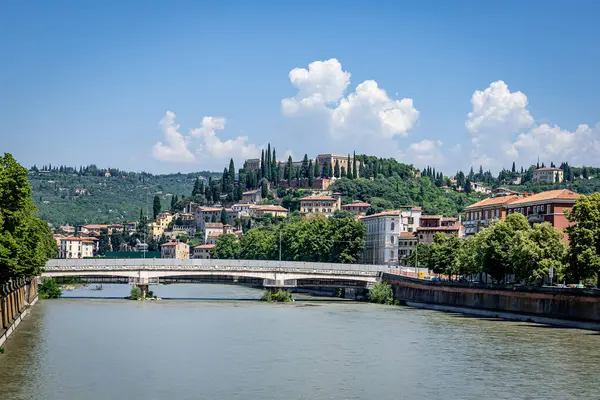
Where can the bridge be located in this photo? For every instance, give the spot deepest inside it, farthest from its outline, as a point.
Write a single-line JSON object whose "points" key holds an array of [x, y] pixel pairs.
{"points": [[270, 274]]}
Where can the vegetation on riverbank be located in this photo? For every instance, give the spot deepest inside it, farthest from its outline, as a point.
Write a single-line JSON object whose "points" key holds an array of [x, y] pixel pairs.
{"points": [[49, 289], [279, 296], [381, 293], [135, 293]]}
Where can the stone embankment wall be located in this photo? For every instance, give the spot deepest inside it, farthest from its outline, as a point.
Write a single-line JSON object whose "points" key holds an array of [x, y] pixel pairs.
{"points": [[577, 305], [16, 297]]}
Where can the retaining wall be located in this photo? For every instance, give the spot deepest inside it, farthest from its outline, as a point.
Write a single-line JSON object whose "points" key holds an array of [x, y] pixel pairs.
{"points": [[16, 297]]}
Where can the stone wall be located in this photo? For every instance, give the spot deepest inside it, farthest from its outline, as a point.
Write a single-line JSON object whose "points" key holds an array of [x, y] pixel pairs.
{"points": [[566, 304], [15, 299]]}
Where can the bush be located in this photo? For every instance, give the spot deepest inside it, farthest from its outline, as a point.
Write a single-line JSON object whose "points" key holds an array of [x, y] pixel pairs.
{"points": [[381, 293], [49, 289], [280, 296], [135, 293]]}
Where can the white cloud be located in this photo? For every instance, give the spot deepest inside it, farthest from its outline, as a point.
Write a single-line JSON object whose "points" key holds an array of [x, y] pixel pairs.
{"points": [[425, 152], [202, 146], [366, 118], [503, 130], [175, 145]]}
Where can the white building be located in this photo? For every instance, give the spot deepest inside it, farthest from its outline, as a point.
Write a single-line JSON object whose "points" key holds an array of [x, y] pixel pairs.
{"points": [[383, 232], [202, 252], [407, 243], [76, 247], [548, 175]]}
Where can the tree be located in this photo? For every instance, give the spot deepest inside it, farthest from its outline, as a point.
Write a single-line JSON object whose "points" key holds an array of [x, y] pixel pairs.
{"points": [[262, 163], [304, 168], [264, 188], [336, 169], [290, 170], [326, 169], [442, 253], [468, 186], [584, 238], [231, 177], [468, 258], [227, 247], [349, 172], [224, 218], [49, 289], [274, 169], [103, 243], [156, 206], [267, 174], [196, 190], [343, 172], [115, 241], [311, 176], [354, 171], [316, 172], [381, 293], [513, 167]]}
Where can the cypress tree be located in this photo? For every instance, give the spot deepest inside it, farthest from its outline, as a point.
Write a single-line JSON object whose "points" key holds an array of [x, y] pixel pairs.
{"points": [[262, 164], [354, 171], [304, 169], [336, 169], [290, 170], [231, 174], [156, 206], [513, 167], [268, 163], [274, 173], [343, 172], [311, 176], [326, 170], [316, 171], [349, 172]]}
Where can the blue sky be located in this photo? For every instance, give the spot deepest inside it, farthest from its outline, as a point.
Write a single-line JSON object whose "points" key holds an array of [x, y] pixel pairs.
{"points": [[184, 86]]}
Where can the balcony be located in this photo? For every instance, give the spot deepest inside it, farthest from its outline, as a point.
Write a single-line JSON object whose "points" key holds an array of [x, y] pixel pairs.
{"points": [[536, 218]]}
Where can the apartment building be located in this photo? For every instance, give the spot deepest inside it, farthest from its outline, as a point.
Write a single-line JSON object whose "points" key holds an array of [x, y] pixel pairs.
{"points": [[162, 222], [430, 225], [407, 244], [76, 247], [252, 196], [331, 159], [204, 215], [272, 209], [178, 250], [243, 209], [202, 252], [210, 228], [548, 175], [357, 207], [479, 188], [326, 205], [547, 206], [480, 214]]}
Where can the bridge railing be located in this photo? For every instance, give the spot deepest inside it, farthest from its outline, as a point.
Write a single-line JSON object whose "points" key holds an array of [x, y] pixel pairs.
{"points": [[170, 263]]}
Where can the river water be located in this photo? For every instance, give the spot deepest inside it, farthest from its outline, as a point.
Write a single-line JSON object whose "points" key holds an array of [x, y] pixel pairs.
{"points": [[229, 346]]}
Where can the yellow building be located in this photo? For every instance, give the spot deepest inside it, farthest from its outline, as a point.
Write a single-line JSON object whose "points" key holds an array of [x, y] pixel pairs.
{"points": [[262, 210], [159, 226], [177, 250]]}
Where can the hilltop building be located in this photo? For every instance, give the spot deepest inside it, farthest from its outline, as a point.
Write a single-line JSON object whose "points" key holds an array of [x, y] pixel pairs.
{"points": [[331, 160], [548, 175], [325, 205]]}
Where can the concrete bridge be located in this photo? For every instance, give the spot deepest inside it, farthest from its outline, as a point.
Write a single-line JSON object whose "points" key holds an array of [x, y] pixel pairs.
{"points": [[271, 274]]}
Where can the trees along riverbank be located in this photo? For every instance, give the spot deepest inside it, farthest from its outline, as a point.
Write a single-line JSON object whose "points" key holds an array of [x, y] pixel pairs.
{"points": [[315, 239], [26, 242]]}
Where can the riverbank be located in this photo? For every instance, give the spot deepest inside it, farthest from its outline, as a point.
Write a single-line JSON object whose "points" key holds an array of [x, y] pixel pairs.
{"points": [[568, 308]]}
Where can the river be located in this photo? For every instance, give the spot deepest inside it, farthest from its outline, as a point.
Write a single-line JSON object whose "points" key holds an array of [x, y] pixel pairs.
{"points": [[217, 342]]}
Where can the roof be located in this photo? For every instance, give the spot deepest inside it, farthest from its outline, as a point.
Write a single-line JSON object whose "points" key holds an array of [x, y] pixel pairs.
{"points": [[78, 239], [562, 194], [173, 243], [269, 207], [357, 203], [317, 198], [205, 246], [390, 213], [209, 208], [431, 217], [213, 225], [449, 219], [439, 228], [548, 169], [214, 234], [95, 226], [493, 201], [251, 192], [407, 235]]}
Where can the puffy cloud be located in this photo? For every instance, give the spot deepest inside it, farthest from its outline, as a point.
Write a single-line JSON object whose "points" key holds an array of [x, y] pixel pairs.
{"points": [[367, 118], [202, 146], [503, 130], [425, 152], [175, 145]]}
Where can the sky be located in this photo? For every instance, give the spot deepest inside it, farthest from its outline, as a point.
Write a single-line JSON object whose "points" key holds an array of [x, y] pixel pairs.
{"points": [[186, 85]]}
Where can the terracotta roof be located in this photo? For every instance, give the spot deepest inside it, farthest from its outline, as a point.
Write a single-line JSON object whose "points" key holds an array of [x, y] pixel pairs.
{"points": [[548, 169], [213, 225], [439, 228], [209, 208], [95, 226], [172, 243], [214, 234], [391, 213], [269, 207], [409, 235], [356, 203], [78, 239], [492, 201], [317, 198], [431, 217], [449, 219], [562, 194], [205, 246]]}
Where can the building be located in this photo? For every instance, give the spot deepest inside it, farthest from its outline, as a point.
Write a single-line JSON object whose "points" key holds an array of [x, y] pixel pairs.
{"points": [[410, 218], [206, 214], [548, 175], [243, 209], [331, 159], [479, 215], [162, 222], [407, 243], [177, 250], [547, 206], [503, 192], [132, 226], [381, 245], [271, 209], [479, 188], [325, 205], [430, 225], [202, 252], [213, 237], [76, 247], [210, 228], [252, 164], [357, 207], [252, 196]]}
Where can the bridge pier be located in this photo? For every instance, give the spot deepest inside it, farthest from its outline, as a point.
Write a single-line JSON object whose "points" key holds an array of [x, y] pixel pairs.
{"points": [[143, 289]]}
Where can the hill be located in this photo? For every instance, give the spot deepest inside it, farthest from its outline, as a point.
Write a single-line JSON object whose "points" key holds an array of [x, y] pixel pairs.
{"points": [[68, 196]]}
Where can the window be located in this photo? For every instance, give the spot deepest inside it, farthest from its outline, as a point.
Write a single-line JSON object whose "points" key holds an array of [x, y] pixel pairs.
{"points": [[548, 209], [392, 239], [392, 226]]}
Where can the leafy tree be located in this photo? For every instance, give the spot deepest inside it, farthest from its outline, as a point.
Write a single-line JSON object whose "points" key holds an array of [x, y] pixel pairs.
{"points": [[468, 260], [49, 289], [156, 206], [224, 218], [103, 243], [227, 247], [336, 169], [584, 237], [115, 241], [442, 253], [381, 293]]}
